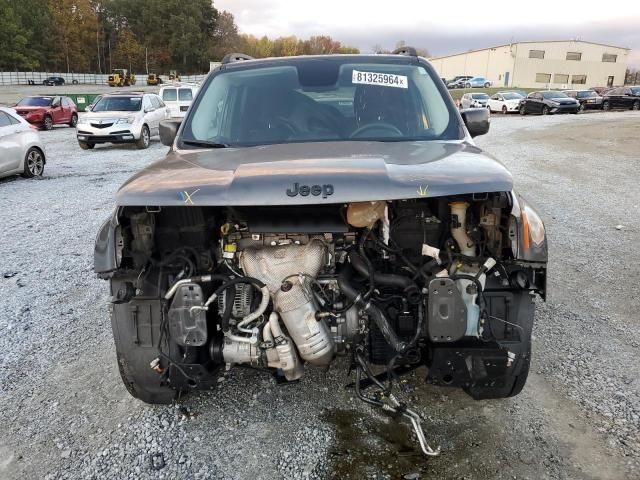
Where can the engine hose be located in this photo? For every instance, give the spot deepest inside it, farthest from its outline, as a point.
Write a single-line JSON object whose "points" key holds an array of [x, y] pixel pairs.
{"points": [[374, 312], [410, 289], [473, 279], [264, 303], [368, 263], [228, 310]]}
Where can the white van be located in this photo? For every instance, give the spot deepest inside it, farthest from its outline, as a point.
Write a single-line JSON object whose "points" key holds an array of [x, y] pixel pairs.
{"points": [[178, 97]]}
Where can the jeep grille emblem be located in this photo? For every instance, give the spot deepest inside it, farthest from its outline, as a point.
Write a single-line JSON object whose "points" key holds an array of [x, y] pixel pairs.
{"points": [[325, 190]]}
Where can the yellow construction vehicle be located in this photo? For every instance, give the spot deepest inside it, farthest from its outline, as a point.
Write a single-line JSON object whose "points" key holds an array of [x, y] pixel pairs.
{"points": [[153, 79], [120, 77], [173, 76]]}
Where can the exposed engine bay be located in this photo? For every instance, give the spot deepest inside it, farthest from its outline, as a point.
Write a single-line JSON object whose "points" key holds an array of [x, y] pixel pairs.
{"points": [[396, 284]]}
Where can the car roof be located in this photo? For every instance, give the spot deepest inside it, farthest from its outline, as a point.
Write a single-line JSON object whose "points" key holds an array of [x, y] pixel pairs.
{"points": [[368, 58], [125, 94]]}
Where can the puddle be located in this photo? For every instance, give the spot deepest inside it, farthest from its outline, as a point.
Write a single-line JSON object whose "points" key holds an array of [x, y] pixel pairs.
{"points": [[367, 447]]}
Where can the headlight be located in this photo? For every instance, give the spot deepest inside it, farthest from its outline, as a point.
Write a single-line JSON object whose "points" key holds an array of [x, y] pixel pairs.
{"points": [[555, 104], [533, 227], [83, 120], [129, 119]]}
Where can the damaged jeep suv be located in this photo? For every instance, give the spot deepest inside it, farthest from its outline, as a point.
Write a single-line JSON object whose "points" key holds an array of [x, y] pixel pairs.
{"points": [[313, 207]]}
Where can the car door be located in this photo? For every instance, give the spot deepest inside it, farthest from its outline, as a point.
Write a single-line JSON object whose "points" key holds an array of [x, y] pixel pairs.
{"points": [[626, 99], [66, 110], [57, 112], [615, 97], [159, 111], [538, 103], [10, 146]]}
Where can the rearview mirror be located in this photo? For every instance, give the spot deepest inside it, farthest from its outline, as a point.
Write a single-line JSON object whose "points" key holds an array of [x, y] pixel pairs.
{"points": [[168, 131], [477, 120]]}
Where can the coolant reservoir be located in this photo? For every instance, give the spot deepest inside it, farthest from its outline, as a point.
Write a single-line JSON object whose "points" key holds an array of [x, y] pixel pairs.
{"points": [[365, 214]]}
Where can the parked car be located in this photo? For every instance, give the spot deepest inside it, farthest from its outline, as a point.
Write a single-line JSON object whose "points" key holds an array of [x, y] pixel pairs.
{"points": [[505, 102], [622, 97], [46, 111], [51, 81], [279, 232], [458, 81], [131, 117], [21, 149], [476, 82], [178, 97], [548, 102], [471, 100], [588, 99]]}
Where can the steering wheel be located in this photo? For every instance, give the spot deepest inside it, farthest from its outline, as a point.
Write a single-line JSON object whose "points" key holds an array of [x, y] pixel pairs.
{"points": [[382, 126], [288, 124]]}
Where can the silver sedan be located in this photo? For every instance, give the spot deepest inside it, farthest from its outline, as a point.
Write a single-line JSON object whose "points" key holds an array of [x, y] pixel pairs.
{"points": [[21, 150]]}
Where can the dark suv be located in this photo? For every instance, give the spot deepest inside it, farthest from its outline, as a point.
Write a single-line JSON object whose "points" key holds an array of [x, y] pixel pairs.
{"points": [[51, 81], [588, 99], [321, 206], [622, 97]]}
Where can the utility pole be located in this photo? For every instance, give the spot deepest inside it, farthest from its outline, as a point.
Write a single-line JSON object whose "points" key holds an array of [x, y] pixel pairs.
{"points": [[98, 45], [146, 59]]}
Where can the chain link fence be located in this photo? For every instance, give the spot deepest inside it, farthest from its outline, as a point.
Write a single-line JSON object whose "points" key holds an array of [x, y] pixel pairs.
{"points": [[37, 78]]}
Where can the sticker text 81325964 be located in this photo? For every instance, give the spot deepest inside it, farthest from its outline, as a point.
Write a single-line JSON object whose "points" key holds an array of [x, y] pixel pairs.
{"points": [[382, 79]]}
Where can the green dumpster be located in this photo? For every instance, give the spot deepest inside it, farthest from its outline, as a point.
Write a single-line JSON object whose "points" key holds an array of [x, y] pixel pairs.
{"points": [[82, 100]]}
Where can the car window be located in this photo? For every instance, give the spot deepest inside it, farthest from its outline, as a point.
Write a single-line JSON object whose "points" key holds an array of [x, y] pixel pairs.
{"points": [[635, 90], [146, 103], [169, 95], [185, 94], [4, 120], [35, 102], [119, 103], [308, 101], [13, 119], [155, 101], [552, 94]]}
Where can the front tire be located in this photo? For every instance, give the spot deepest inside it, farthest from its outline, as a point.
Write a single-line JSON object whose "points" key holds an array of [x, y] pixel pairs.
{"points": [[74, 120], [467, 85], [581, 107], [487, 85], [33, 163], [636, 105], [47, 124], [504, 110], [545, 110], [606, 106], [522, 110], [145, 138], [86, 146]]}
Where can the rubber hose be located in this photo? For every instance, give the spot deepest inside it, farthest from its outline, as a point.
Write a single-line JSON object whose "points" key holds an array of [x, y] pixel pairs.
{"points": [[399, 281], [378, 316]]}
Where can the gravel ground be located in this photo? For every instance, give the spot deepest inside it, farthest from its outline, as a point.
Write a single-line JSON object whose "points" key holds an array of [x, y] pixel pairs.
{"points": [[65, 413]]}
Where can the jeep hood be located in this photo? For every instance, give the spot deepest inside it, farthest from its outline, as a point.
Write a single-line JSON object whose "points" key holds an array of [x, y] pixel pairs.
{"points": [[312, 173]]}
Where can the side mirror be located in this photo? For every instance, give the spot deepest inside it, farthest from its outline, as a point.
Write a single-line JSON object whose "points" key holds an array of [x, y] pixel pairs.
{"points": [[168, 131], [477, 120]]}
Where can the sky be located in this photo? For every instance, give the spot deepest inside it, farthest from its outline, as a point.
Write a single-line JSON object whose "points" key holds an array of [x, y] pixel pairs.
{"points": [[442, 27]]}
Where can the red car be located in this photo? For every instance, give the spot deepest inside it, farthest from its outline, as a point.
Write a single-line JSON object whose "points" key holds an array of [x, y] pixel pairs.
{"points": [[46, 111]]}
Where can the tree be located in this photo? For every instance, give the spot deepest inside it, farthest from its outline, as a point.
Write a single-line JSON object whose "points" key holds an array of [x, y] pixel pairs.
{"points": [[74, 29], [129, 49], [24, 27]]}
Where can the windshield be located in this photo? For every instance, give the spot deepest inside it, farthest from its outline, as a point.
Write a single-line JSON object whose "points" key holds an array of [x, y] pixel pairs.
{"points": [[480, 96], [118, 104], [635, 90], [586, 94], [35, 102], [320, 100], [511, 96], [554, 95]]}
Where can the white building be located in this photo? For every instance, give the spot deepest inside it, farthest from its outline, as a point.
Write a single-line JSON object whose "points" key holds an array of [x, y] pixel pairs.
{"points": [[547, 64]]}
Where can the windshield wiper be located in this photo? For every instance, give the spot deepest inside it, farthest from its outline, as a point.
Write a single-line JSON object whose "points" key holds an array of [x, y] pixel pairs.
{"points": [[205, 144]]}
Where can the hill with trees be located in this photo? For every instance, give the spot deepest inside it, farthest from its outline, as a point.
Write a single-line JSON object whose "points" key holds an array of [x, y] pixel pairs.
{"points": [[97, 35]]}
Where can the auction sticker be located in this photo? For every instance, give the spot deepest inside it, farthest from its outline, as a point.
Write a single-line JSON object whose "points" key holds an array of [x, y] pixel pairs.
{"points": [[382, 79]]}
